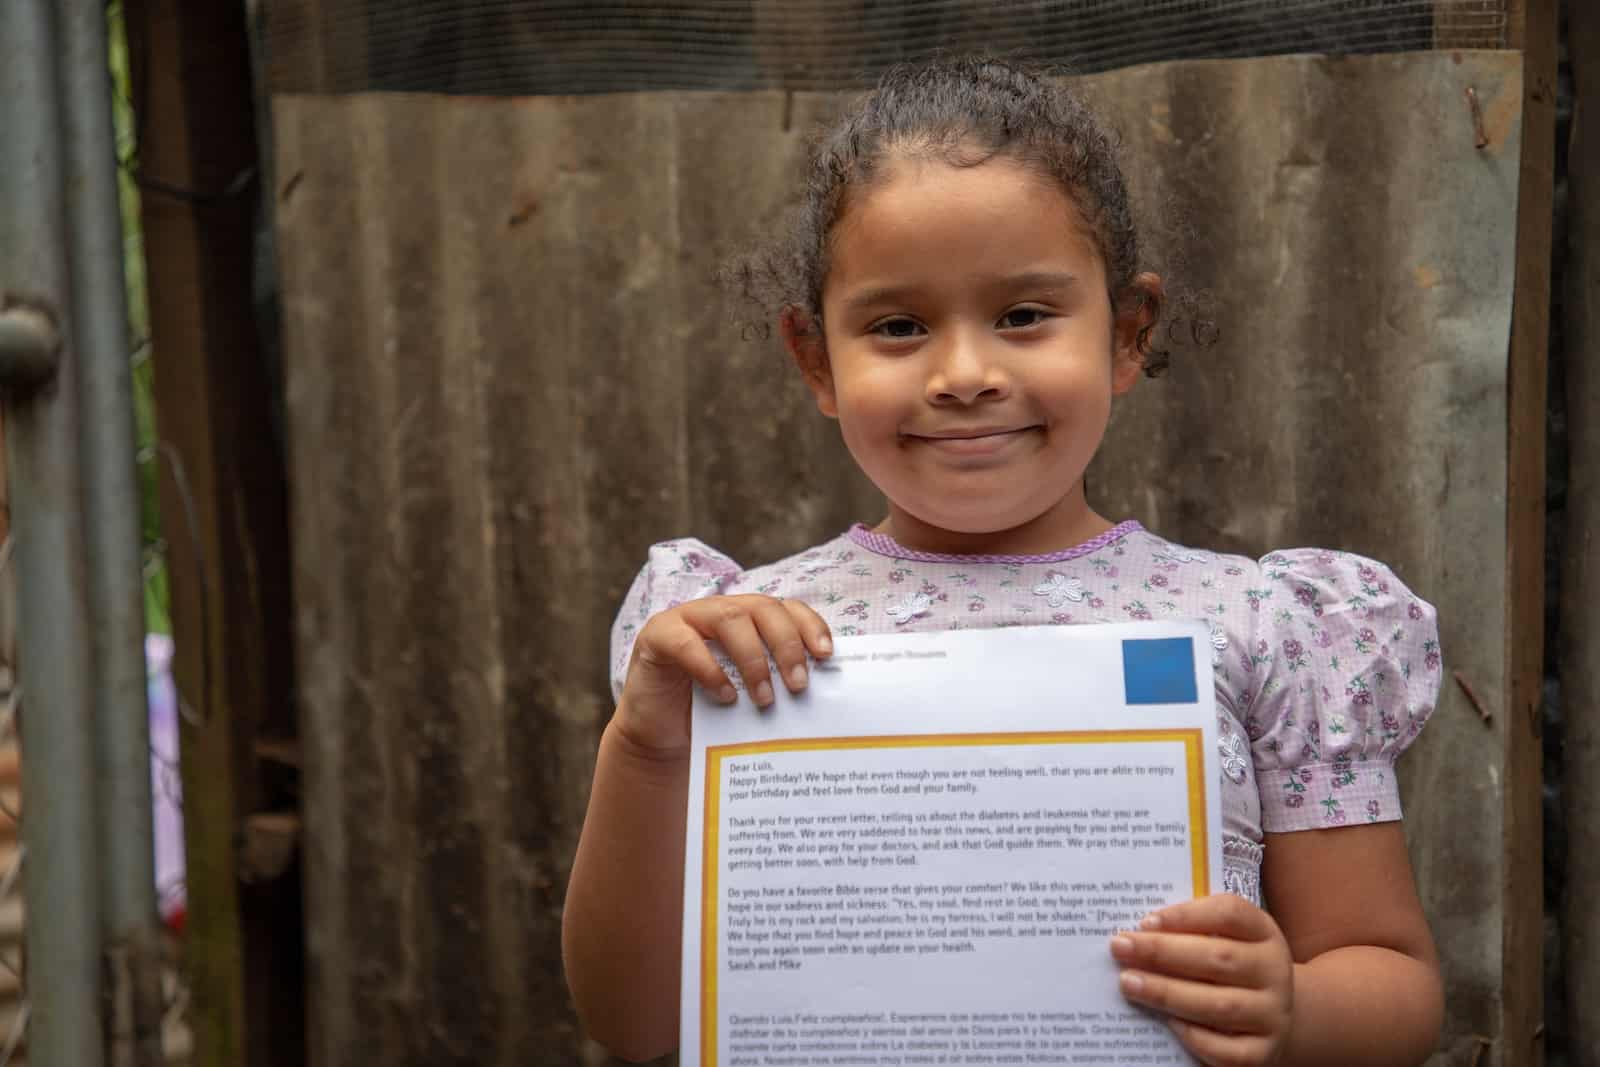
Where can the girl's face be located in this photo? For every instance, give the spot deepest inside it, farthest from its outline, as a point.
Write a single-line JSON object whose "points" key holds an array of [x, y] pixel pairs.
{"points": [[969, 354]]}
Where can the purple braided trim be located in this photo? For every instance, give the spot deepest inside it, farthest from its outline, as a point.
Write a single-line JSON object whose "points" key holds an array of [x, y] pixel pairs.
{"points": [[885, 545]]}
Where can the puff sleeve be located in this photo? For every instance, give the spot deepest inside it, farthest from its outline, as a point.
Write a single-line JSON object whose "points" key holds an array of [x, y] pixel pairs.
{"points": [[1344, 669], [673, 572]]}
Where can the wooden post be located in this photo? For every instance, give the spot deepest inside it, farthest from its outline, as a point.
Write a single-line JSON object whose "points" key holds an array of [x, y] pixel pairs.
{"points": [[1580, 569], [1533, 29], [223, 502]]}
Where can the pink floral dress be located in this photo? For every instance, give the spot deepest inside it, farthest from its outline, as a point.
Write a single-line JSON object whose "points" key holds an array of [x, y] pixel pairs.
{"points": [[1326, 665]]}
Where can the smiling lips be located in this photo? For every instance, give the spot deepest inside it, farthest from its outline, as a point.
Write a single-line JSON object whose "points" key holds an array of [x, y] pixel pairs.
{"points": [[974, 441]]}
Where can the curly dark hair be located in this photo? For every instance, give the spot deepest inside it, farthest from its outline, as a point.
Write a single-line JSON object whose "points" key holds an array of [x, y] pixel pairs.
{"points": [[963, 112]]}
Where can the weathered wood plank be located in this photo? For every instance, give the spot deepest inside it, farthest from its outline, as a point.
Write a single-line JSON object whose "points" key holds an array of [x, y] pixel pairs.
{"points": [[1522, 986], [229, 571], [1580, 565]]}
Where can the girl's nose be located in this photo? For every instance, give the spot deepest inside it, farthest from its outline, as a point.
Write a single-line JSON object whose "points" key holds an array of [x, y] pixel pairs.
{"points": [[963, 372]]}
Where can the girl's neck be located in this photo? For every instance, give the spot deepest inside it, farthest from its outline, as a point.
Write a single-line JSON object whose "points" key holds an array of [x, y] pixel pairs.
{"points": [[1069, 523]]}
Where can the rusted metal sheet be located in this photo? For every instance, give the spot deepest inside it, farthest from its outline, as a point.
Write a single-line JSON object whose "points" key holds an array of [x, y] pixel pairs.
{"points": [[510, 371], [1360, 258]]}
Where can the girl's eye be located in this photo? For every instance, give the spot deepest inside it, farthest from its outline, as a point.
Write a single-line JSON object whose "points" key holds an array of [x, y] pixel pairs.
{"points": [[898, 329], [1021, 318]]}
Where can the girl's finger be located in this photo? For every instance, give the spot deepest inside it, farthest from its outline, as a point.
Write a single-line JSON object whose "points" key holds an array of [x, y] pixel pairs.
{"points": [[1230, 1009], [1220, 915], [736, 630], [813, 630], [672, 643], [784, 641], [1219, 1049], [1207, 959]]}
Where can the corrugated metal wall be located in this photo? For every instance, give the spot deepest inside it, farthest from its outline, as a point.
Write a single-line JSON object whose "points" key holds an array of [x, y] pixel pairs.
{"points": [[509, 371], [1360, 251]]}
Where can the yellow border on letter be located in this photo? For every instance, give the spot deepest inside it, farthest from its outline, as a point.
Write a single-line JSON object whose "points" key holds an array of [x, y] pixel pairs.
{"points": [[1200, 853]]}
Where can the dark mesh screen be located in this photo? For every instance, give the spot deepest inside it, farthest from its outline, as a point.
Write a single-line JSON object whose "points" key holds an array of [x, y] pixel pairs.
{"points": [[528, 47]]}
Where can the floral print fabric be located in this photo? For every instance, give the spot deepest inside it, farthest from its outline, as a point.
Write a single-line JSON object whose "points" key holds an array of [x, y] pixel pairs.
{"points": [[1326, 666]]}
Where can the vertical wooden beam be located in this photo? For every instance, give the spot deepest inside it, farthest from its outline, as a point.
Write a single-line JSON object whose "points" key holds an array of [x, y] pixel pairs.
{"points": [[1517, 22], [1580, 569], [223, 501], [1533, 29]]}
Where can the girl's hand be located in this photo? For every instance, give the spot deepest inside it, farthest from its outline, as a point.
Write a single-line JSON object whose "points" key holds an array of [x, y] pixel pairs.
{"points": [[670, 655], [1220, 970]]}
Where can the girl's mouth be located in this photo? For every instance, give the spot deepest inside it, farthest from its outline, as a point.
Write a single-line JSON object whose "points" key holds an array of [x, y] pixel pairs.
{"points": [[976, 441]]}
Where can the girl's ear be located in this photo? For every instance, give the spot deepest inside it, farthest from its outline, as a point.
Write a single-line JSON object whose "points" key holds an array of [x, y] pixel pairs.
{"points": [[1138, 307], [802, 336]]}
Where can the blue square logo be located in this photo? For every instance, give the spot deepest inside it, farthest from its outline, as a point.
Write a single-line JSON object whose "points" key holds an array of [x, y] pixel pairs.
{"points": [[1159, 671]]}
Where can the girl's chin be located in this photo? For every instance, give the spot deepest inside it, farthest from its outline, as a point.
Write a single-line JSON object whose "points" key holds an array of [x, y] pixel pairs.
{"points": [[999, 518], [975, 522]]}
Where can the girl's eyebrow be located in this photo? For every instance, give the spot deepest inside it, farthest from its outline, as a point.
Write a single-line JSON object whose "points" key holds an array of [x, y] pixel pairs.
{"points": [[880, 294], [1036, 280]]}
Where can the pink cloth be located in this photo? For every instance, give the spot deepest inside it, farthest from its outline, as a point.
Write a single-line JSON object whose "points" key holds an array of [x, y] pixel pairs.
{"points": [[1326, 666], [166, 787]]}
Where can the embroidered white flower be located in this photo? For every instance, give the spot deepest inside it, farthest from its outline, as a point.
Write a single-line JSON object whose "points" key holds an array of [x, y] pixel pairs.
{"points": [[1179, 554], [1219, 642], [816, 565], [1231, 748], [912, 606], [1059, 589]]}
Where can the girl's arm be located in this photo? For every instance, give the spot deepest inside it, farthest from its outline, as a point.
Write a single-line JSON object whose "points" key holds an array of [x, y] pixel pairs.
{"points": [[1366, 977], [1342, 971], [622, 926], [621, 933]]}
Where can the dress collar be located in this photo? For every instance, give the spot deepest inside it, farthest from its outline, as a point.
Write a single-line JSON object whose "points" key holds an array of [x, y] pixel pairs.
{"points": [[884, 545]]}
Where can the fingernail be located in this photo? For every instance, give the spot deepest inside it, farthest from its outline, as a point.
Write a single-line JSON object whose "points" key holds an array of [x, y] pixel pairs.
{"points": [[797, 677], [825, 643], [1121, 947], [727, 695], [764, 694], [1150, 922], [1131, 983]]}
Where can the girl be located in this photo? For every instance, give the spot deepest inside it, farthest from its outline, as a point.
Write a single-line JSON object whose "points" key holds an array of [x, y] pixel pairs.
{"points": [[962, 295]]}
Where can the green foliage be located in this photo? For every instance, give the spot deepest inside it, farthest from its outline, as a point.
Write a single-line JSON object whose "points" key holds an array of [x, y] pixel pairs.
{"points": [[157, 602]]}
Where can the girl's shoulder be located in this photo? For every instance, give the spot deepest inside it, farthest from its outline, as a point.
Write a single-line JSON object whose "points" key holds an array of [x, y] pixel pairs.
{"points": [[1311, 583], [1329, 665], [685, 568], [1290, 582]]}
